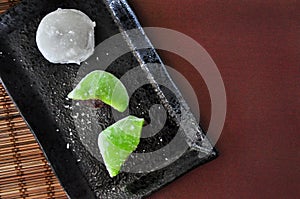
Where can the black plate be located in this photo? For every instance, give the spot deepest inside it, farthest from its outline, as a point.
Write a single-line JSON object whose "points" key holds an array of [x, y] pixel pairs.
{"points": [[39, 90]]}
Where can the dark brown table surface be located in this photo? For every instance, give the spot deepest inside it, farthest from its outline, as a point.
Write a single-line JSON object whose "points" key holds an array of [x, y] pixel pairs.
{"points": [[256, 46]]}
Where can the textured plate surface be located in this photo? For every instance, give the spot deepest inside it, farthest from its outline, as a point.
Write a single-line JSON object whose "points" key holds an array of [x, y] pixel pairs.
{"points": [[39, 89]]}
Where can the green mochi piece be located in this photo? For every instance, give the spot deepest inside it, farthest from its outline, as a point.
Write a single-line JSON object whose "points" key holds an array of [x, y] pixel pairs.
{"points": [[118, 141], [103, 86]]}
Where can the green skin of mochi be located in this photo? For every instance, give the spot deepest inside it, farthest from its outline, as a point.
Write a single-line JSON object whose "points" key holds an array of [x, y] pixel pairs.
{"points": [[118, 141], [103, 86]]}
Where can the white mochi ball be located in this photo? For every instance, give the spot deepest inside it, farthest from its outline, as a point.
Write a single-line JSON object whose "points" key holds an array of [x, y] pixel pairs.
{"points": [[66, 36]]}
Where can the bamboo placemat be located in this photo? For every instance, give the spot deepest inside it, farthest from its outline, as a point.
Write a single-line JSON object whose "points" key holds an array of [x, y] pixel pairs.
{"points": [[24, 171], [5, 4]]}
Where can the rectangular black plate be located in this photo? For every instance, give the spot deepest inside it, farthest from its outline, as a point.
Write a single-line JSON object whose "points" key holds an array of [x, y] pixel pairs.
{"points": [[39, 90]]}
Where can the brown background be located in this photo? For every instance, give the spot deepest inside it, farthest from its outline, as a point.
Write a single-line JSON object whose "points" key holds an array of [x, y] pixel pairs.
{"points": [[256, 46]]}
